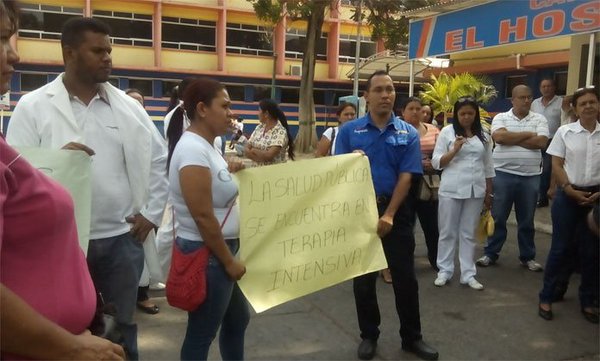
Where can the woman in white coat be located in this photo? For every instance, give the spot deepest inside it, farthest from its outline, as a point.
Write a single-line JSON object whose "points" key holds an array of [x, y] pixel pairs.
{"points": [[464, 153]]}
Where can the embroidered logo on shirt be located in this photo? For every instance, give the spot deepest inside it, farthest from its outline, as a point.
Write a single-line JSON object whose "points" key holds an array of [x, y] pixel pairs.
{"points": [[360, 130]]}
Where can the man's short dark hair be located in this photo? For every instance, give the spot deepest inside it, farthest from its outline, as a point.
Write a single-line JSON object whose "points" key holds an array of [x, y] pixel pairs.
{"points": [[547, 78], [73, 31], [377, 73]]}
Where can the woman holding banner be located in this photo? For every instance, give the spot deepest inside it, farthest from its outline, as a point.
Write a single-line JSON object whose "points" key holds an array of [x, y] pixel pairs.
{"points": [[203, 195]]}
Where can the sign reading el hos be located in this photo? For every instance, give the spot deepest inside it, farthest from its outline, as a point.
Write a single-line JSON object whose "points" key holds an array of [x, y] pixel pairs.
{"points": [[545, 20]]}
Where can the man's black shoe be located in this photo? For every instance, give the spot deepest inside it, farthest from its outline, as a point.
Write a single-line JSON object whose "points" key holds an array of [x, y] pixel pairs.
{"points": [[422, 350], [590, 316], [366, 349], [546, 315], [542, 203]]}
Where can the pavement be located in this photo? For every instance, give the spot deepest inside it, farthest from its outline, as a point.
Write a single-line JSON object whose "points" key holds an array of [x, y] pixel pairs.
{"points": [[498, 323]]}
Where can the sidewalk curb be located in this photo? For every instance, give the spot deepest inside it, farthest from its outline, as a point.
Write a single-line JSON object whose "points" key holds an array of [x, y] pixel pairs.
{"points": [[539, 226]]}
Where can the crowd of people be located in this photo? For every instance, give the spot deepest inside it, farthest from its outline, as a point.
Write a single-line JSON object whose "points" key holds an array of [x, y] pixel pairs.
{"points": [[183, 186]]}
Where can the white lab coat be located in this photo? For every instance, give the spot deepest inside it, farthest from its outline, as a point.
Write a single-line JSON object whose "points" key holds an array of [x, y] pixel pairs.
{"points": [[44, 118]]}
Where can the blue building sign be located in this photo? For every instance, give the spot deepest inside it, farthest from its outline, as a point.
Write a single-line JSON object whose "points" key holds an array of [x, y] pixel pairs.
{"points": [[501, 22]]}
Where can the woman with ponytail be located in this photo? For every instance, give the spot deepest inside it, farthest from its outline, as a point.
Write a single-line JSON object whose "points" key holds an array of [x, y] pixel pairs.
{"points": [[271, 139], [204, 195], [176, 121]]}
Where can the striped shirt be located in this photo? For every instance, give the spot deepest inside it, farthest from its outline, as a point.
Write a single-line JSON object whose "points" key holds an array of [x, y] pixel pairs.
{"points": [[515, 159], [428, 140]]}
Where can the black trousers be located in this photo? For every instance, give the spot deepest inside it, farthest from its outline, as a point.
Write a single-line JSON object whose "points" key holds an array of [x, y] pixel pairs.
{"points": [[427, 211], [399, 247]]}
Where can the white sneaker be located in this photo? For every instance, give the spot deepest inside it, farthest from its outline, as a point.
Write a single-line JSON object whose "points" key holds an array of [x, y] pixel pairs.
{"points": [[474, 284], [533, 266], [440, 281], [158, 286], [485, 261]]}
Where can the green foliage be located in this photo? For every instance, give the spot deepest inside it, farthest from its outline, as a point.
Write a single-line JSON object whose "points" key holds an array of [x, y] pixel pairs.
{"points": [[268, 10], [381, 15], [386, 23], [445, 90], [272, 11]]}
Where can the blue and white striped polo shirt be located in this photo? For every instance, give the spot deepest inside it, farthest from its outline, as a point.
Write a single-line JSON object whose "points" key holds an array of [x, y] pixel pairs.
{"points": [[515, 159]]}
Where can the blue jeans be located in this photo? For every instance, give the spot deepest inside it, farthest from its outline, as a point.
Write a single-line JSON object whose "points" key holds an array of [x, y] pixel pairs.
{"points": [[225, 306], [522, 191], [568, 221], [116, 265]]}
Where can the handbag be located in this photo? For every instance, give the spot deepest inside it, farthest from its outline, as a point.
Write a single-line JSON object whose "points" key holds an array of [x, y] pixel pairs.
{"points": [[485, 226], [104, 323], [428, 187], [186, 283]]}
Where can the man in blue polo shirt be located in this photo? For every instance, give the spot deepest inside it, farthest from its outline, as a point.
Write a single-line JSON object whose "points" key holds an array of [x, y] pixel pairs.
{"points": [[394, 153]]}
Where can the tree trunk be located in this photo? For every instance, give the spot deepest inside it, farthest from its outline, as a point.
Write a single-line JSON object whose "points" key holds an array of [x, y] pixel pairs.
{"points": [[306, 140]]}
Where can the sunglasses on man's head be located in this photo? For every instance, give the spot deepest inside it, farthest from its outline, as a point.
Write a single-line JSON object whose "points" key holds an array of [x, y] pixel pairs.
{"points": [[466, 99], [584, 88]]}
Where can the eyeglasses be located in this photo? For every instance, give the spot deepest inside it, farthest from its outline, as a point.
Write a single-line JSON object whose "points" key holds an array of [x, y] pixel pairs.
{"points": [[466, 99], [524, 97]]}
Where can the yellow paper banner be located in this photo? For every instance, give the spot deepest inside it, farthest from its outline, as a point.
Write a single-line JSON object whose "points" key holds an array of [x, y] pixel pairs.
{"points": [[72, 170], [306, 226]]}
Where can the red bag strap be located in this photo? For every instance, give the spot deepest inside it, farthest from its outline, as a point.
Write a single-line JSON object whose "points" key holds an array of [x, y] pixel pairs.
{"points": [[229, 211], [222, 223]]}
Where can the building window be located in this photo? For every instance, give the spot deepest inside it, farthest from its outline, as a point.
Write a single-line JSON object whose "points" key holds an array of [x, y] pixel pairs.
{"points": [[339, 94], [295, 41], [290, 95], [44, 22], [512, 81], [127, 28], [168, 86], [236, 92], [248, 39], [320, 97], [32, 81], [262, 92], [347, 2], [143, 85], [348, 48], [560, 79], [188, 34]]}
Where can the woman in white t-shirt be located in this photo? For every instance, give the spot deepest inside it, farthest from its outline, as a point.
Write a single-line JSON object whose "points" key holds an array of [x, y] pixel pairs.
{"points": [[203, 194], [326, 146]]}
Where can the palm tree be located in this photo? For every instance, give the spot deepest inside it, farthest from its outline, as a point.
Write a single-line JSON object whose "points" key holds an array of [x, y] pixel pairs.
{"points": [[445, 90]]}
